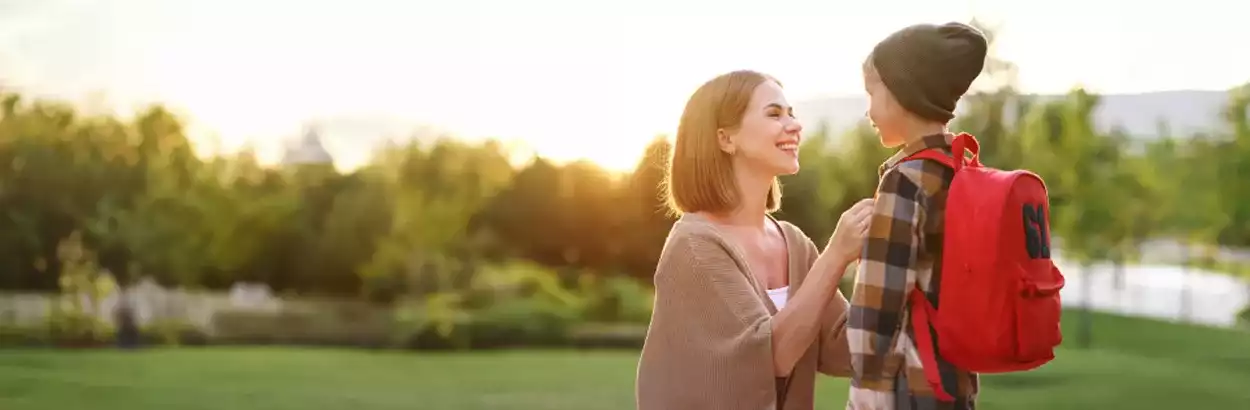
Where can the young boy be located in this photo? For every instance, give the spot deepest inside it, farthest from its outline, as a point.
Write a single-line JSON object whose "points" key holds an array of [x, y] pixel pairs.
{"points": [[913, 79]]}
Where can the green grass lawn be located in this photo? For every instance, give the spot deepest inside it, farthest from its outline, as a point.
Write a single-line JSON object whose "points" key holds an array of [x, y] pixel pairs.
{"points": [[1136, 364]]}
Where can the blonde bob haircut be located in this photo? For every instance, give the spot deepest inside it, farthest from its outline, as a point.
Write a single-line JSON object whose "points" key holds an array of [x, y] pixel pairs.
{"points": [[700, 175]]}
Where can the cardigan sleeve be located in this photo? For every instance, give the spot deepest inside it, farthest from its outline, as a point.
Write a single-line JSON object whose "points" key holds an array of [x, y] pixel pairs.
{"points": [[709, 344], [834, 356]]}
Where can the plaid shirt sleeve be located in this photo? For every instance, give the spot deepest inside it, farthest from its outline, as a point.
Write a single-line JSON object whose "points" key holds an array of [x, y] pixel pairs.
{"points": [[887, 270]]}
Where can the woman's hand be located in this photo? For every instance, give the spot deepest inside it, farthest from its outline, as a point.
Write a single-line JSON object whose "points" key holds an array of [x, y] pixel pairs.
{"points": [[848, 237], [796, 326]]}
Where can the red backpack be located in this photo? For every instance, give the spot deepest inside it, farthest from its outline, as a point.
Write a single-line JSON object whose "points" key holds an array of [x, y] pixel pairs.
{"points": [[999, 288]]}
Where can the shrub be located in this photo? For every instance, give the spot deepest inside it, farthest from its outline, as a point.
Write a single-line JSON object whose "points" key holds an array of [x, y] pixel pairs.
{"points": [[616, 299], [321, 324], [608, 335], [12, 335], [514, 304], [172, 333], [67, 328]]}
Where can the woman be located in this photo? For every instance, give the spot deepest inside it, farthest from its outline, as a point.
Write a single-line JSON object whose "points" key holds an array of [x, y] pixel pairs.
{"points": [[747, 309]]}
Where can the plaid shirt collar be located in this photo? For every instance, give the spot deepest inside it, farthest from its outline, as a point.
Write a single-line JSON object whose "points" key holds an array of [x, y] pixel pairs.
{"points": [[923, 143]]}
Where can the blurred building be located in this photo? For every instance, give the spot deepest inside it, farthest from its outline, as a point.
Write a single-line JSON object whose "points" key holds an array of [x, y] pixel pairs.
{"points": [[307, 150]]}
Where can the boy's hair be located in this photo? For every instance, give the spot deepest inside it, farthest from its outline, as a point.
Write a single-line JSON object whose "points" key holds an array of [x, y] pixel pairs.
{"points": [[700, 175]]}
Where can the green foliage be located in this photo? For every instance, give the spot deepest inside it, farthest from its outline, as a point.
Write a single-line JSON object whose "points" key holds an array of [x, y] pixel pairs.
{"points": [[615, 299], [319, 323], [515, 303], [411, 222], [455, 244], [169, 332], [72, 319]]}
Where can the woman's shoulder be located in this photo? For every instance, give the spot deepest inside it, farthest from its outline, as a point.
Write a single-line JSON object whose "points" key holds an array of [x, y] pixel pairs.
{"points": [[691, 229], [695, 243], [691, 233]]}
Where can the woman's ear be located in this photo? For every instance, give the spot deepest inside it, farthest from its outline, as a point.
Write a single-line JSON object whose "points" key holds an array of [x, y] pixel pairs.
{"points": [[726, 142]]}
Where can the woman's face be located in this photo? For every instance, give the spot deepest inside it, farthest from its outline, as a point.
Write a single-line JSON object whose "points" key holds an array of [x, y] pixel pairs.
{"points": [[767, 139], [884, 112]]}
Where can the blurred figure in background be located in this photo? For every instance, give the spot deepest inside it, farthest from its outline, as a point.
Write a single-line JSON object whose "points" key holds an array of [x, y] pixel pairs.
{"points": [[127, 325], [747, 309]]}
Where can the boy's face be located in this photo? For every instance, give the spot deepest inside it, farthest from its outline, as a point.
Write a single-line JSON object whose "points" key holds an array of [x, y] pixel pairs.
{"points": [[884, 111]]}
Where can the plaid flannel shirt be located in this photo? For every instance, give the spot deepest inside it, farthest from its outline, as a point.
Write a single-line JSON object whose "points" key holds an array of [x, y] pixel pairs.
{"points": [[902, 250]]}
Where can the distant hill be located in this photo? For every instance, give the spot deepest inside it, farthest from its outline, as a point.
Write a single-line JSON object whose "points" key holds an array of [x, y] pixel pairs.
{"points": [[1185, 112]]}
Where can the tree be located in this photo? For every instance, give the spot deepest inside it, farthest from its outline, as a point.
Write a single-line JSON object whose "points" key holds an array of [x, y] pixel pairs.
{"points": [[435, 196], [647, 216], [1079, 167], [1233, 157], [987, 114]]}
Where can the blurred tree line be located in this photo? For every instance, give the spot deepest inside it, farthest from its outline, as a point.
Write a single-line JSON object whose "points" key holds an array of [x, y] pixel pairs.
{"points": [[146, 205], [429, 216]]}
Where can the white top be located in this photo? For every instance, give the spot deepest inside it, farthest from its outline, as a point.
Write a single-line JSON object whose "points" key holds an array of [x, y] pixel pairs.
{"points": [[779, 296]]}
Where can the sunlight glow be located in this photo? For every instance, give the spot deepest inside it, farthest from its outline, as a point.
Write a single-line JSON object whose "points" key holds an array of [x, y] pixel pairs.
{"points": [[570, 79]]}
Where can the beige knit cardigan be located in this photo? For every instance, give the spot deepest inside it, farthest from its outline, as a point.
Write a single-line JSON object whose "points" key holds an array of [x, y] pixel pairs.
{"points": [[709, 344]]}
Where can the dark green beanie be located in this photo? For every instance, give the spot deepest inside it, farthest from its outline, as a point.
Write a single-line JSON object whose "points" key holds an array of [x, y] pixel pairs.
{"points": [[929, 67]]}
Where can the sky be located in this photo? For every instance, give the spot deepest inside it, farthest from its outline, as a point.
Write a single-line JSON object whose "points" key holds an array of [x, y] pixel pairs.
{"points": [[569, 78]]}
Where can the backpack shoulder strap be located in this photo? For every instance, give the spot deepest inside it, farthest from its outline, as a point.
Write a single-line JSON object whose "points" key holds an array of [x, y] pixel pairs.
{"points": [[923, 316], [933, 154], [960, 145]]}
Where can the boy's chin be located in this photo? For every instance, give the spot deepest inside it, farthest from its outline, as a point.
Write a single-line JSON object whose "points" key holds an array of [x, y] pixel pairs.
{"points": [[888, 142]]}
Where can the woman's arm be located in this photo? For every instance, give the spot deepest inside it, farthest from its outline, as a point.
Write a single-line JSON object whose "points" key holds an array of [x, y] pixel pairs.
{"points": [[833, 354], [807, 315], [797, 325]]}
